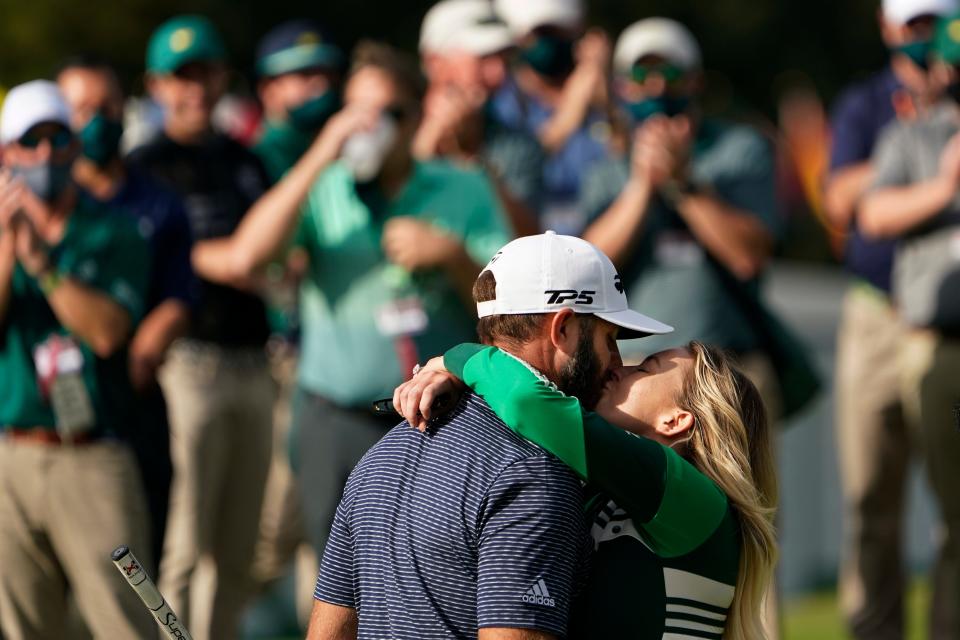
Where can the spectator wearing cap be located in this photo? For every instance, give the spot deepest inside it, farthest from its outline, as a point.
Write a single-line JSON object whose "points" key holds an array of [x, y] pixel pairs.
{"points": [[693, 203], [394, 245], [73, 280], [914, 198], [874, 441], [92, 90], [216, 379], [298, 69], [558, 94], [463, 47]]}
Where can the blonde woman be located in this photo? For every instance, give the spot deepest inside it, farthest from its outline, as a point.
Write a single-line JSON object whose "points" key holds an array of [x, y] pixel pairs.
{"points": [[681, 516]]}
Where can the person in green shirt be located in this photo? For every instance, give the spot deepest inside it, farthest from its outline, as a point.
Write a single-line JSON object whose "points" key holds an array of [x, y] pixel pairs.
{"points": [[394, 245], [681, 516], [73, 280]]}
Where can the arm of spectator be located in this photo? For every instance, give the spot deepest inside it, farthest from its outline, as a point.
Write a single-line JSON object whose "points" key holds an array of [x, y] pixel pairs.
{"points": [[843, 191], [654, 160], [90, 315], [168, 321], [897, 206], [737, 238], [586, 81], [416, 245], [271, 221], [332, 622], [8, 261]]}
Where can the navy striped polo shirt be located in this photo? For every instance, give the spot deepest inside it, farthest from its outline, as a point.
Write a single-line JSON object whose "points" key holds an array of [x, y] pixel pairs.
{"points": [[466, 526]]}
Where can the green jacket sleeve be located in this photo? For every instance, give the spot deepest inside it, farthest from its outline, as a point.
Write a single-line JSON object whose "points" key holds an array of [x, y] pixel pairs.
{"points": [[675, 505]]}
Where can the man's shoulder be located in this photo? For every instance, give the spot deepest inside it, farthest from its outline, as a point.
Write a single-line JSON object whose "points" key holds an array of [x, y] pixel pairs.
{"points": [[863, 93], [470, 433], [442, 174]]}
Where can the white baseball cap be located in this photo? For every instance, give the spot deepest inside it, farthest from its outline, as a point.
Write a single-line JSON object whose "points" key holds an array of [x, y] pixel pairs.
{"points": [[30, 104], [523, 16], [465, 25], [903, 11], [657, 36], [549, 272]]}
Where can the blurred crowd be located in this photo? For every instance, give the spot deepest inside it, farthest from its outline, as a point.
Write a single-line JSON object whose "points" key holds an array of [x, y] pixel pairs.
{"points": [[202, 294]]}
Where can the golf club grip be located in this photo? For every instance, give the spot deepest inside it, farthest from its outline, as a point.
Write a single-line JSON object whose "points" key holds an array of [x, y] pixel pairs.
{"points": [[133, 571]]}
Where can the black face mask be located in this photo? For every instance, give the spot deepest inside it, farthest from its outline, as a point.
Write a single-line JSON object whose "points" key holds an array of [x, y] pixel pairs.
{"points": [[314, 112], [100, 139], [550, 56]]}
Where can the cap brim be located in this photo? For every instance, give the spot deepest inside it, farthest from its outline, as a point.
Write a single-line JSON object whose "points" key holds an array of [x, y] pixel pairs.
{"points": [[633, 324]]}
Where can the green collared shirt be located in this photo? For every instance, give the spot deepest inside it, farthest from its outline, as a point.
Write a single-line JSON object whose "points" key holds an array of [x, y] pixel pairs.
{"points": [[103, 250], [346, 354]]}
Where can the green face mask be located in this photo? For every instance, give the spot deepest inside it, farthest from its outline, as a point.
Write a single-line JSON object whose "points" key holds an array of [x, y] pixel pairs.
{"points": [[314, 113], [100, 139], [918, 51], [550, 56]]}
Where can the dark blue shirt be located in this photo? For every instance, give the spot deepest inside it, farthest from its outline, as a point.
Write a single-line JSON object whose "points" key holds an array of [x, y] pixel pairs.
{"points": [[466, 526], [859, 115], [563, 170], [161, 218]]}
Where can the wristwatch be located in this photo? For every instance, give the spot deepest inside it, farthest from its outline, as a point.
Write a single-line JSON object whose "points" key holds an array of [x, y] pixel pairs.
{"points": [[675, 191], [49, 280]]}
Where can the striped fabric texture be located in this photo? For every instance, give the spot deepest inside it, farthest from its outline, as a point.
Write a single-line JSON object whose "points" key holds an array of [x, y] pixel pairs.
{"points": [[463, 527]]}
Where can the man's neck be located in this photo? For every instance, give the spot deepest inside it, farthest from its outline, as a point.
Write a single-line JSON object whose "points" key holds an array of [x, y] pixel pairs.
{"points": [[102, 183], [536, 354], [186, 136], [395, 173]]}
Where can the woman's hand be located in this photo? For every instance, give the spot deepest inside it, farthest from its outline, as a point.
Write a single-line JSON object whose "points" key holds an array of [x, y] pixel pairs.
{"points": [[430, 393]]}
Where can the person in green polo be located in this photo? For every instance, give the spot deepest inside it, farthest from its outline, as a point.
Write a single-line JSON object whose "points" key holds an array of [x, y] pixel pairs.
{"points": [[394, 247], [298, 69], [73, 279]]}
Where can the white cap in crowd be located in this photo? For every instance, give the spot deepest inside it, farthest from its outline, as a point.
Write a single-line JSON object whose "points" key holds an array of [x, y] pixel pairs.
{"points": [[903, 11], [549, 272], [656, 36], [30, 104], [523, 16], [465, 25]]}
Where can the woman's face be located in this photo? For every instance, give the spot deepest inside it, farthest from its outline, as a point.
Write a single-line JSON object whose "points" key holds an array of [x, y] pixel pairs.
{"points": [[642, 398]]}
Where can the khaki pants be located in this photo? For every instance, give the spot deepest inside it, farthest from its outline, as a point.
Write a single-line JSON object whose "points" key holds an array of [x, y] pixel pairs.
{"points": [[219, 403], [283, 537], [875, 448], [63, 510], [931, 384]]}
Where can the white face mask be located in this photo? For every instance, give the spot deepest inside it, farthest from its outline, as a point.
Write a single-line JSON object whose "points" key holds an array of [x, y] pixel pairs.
{"points": [[365, 151]]}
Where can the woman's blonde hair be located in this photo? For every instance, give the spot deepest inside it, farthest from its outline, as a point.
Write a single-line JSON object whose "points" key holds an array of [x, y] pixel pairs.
{"points": [[730, 442]]}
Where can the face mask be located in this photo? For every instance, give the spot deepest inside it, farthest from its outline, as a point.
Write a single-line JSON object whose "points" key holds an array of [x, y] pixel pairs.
{"points": [[47, 180], [918, 52], [314, 113], [364, 152], [549, 56], [100, 139], [663, 105]]}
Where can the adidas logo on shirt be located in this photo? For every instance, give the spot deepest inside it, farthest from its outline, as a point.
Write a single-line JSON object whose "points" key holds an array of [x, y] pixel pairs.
{"points": [[538, 594]]}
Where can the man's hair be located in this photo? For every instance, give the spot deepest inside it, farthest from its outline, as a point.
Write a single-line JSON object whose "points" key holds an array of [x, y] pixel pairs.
{"points": [[399, 65], [516, 329]]}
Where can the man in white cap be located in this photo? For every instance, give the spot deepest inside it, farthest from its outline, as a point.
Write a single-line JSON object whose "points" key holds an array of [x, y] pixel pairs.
{"points": [[693, 209], [873, 439], [73, 279], [455, 526], [557, 93], [463, 47]]}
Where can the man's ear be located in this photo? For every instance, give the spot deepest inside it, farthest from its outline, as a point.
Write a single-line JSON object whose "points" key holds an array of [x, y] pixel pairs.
{"points": [[564, 331]]}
